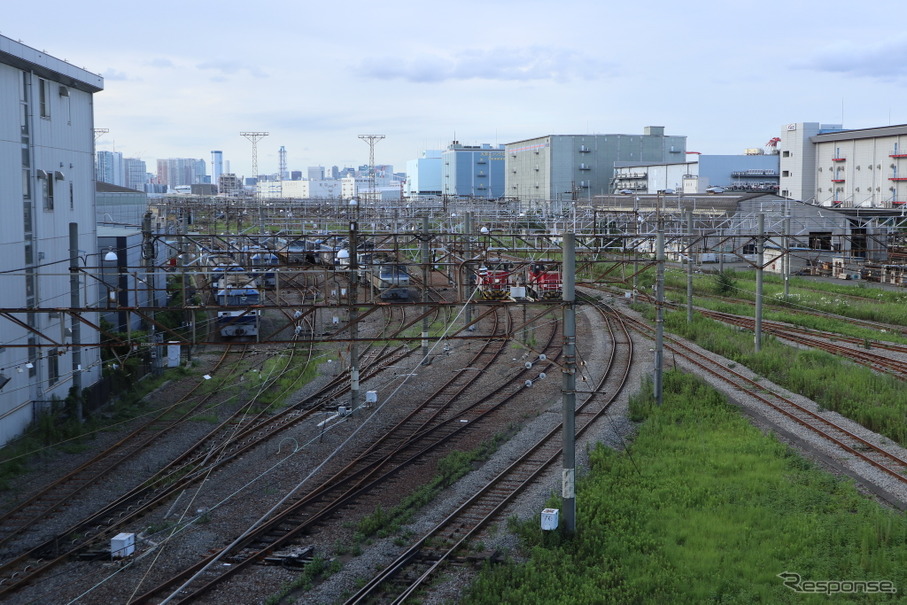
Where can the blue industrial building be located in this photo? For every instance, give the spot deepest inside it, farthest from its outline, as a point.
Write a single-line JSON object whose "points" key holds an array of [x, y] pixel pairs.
{"points": [[472, 171]]}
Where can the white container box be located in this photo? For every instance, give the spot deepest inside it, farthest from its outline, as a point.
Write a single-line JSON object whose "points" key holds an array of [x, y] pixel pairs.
{"points": [[122, 545], [549, 519], [371, 396]]}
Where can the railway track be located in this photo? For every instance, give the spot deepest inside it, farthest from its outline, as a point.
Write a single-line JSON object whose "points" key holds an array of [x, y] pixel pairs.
{"points": [[402, 578], [240, 433], [825, 341], [53, 496], [865, 323], [863, 449], [415, 437], [818, 339]]}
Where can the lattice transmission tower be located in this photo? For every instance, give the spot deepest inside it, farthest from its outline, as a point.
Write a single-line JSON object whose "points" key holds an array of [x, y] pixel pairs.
{"points": [[254, 138], [371, 140]]}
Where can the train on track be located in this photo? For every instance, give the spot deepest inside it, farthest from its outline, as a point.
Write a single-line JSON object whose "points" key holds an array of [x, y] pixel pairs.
{"points": [[494, 279], [315, 249], [390, 281], [237, 293], [542, 279], [264, 263]]}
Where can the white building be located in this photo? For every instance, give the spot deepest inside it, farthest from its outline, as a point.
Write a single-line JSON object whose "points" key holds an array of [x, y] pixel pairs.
{"points": [[798, 159], [829, 166], [323, 189], [423, 175], [47, 179], [865, 168]]}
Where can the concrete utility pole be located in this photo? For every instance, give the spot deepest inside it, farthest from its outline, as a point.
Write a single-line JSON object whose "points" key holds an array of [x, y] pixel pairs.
{"points": [[690, 266], [634, 247], [467, 269], [760, 260], [568, 488], [721, 251], [786, 262], [354, 317], [659, 310], [426, 259], [74, 319]]}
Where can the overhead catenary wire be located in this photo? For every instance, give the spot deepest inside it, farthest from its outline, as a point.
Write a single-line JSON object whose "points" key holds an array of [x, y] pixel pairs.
{"points": [[317, 468]]}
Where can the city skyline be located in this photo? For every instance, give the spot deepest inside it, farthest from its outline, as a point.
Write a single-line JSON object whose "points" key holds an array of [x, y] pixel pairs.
{"points": [[727, 78]]}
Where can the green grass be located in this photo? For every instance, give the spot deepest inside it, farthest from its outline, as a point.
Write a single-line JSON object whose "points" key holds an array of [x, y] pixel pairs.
{"points": [[704, 508], [878, 402], [860, 301], [56, 433]]}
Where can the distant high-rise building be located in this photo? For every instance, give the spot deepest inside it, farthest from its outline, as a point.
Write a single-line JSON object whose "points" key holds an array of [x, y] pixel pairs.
{"points": [[200, 174], [332, 173], [180, 172], [110, 168], [316, 173], [135, 170], [282, 174], [217, 166], [229, 184], [296, 175]]}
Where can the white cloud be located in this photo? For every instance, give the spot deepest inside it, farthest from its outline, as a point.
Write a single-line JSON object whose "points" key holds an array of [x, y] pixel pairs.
{"points": [[499, 64], [886, 61], [231, 68]]}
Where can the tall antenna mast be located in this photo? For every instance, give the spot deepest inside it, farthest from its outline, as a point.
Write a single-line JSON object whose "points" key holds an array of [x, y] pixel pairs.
{"points": [[372, 140], [282, 170], [254, 137]]}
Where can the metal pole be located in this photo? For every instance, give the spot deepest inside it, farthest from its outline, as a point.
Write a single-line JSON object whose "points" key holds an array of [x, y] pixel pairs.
{"points": [[425, 277], [75, 321], [568, 488], [721, 251], [634, 249], [188, 314], [690, 267], [659, 310], [354, 317], [760, 260], [148, 253], [467, 266], [786, 263]]}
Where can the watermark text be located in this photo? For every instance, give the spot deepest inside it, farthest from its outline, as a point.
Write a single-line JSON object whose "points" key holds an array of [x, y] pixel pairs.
{"points": [[797, 584]]}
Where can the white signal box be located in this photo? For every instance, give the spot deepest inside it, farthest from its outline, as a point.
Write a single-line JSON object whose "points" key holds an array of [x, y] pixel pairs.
{"points": [[549, 519]]}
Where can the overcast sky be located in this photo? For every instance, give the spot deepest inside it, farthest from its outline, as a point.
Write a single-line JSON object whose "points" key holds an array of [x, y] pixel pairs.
{"points": [[185, 77]]}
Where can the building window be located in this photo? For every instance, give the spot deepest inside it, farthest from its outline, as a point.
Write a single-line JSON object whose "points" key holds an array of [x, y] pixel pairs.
{"points": [[44, 97], [785, 173], [47, 189], [53, 367], [785, 154]]}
